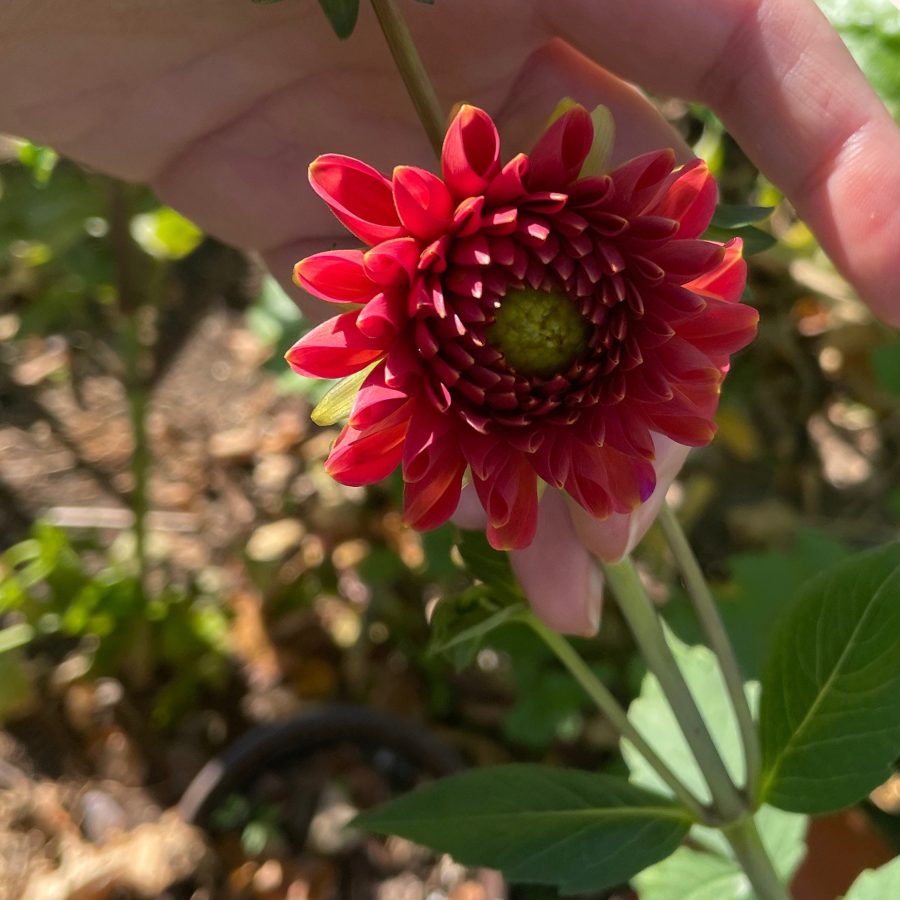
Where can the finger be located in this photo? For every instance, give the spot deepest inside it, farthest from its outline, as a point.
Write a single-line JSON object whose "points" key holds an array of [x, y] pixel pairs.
{"points": [[790, 93], [557, 70]]}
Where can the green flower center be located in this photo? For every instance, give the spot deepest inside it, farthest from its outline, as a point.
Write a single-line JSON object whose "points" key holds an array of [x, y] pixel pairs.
{"points": [[539, 332]]}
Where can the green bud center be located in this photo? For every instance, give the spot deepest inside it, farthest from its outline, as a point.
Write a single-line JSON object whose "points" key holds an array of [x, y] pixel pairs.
{"points": [[539, 332]]}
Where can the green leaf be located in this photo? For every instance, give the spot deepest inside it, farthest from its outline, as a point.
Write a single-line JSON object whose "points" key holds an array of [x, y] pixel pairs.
{"points": [[693, 875], [15, 636], [336, 405], [342, 15], [877, 884], [549, 708], [738, 216], [782, 833], [885, 363], [575, 830], [41, 160], [830, 720], [755, 239], [651, 714], [597, 160], [165, 234], [761, 586], [487, 564], [460, 623]]}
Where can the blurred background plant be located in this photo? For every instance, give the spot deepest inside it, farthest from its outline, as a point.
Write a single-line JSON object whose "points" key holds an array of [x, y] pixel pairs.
{"points": [[177, 567]]}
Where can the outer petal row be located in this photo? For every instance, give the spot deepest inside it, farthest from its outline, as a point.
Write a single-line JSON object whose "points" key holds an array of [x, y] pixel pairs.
{"points": [[358, 195], [335, 349]]}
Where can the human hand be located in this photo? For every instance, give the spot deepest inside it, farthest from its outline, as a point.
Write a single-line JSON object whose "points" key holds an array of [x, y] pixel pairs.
{"points": [[221, 106]]}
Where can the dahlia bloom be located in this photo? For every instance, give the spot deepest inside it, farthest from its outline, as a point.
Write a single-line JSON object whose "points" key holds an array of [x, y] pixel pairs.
{"points": [[531, 322]]}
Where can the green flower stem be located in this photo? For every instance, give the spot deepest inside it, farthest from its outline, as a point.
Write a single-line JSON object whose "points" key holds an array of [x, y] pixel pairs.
{"points": [[645, 625], [131, 294], [418, 84], [754, 859], [709, 617], [609, 706]]}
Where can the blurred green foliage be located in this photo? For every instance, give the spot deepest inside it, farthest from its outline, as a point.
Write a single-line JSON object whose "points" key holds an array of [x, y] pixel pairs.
{"points": [[871, 31], [176, 639], [757, 594]]}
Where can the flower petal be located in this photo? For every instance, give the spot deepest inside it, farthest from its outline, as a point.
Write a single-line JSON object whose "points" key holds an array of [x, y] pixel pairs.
{"points": [[691, 200], [423, 202], [559, 154], [433, 468], [471, 154], [685, 261], [364, 457], [640, 182], [383, 317], [728, 280], [358, 195], [392, 263], [337, 276], [335, 348], [509, 496], [375, 400], [557, 573], [611, 538]]}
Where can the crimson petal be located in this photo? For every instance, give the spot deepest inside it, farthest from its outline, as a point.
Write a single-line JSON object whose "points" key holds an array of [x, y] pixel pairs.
{"points": [[559, 154], [423, 202], [337, 276], [471, 154], [335, 349], [358, 195]]}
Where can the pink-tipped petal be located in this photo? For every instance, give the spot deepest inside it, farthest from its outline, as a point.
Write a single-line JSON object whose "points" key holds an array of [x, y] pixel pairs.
{"points": [[337, 276], [471, 154], [358, 195], [335, 349], [423, 202], [559, 154], [557, 573]]}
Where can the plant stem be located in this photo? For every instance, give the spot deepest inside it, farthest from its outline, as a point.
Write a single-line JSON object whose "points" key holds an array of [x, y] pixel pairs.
{"points": [[418, 84], [644, 622], [132, 285], [609, 706], [754, 859], [708, 614]]}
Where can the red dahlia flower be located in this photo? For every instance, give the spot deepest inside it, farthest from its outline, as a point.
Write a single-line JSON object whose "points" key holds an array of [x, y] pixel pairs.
{"points": [[523, 321]]}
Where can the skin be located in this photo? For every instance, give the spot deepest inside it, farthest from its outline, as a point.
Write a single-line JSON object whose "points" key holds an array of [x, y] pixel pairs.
{"points": [[221, 104]]}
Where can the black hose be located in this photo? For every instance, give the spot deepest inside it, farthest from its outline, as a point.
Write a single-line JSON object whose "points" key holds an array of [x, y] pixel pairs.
{"points": [[304, 735]]}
